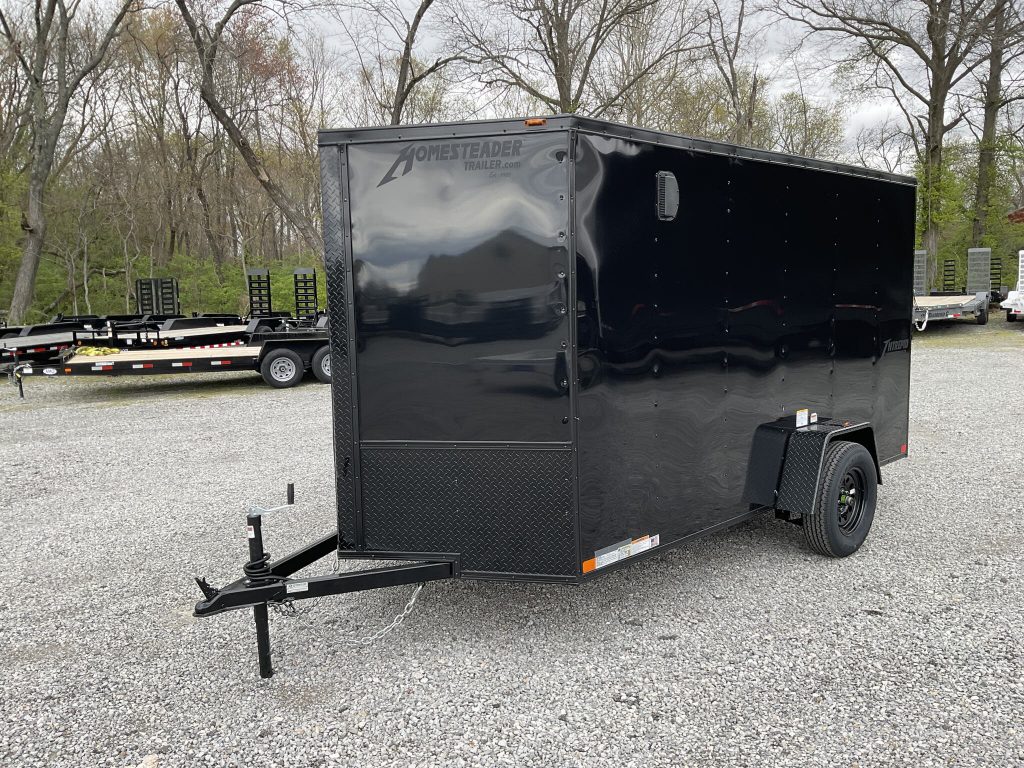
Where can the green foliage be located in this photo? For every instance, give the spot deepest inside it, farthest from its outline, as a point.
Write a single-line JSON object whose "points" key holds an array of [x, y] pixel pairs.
{"points": [[12, 188], [954, 190]]}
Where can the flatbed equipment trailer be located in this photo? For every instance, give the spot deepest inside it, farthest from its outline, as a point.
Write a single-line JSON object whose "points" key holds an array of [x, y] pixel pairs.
{"points": [[528, 386], [280, 358], [954, 305]]}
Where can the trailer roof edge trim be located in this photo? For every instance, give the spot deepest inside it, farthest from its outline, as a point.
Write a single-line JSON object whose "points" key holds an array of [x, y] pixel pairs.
{"points": [[555, 123]]}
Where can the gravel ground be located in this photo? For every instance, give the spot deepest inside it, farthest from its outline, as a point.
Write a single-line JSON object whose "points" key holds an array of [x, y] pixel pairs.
{"points": [[741, 649]]}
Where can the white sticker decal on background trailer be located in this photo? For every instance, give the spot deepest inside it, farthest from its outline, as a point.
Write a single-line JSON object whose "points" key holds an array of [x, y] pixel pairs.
{"points": [[50, 371], [802, 417]]}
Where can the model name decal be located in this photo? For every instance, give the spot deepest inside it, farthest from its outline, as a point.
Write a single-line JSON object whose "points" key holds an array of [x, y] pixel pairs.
{"points": [[895, 345], [475, 155]]}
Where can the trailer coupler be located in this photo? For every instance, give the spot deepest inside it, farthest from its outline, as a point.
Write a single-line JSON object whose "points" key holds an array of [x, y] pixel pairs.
{"points": [[268, 583]]}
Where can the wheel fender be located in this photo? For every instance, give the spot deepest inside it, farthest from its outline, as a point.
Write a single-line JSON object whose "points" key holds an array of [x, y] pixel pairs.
{"points": [[786, 462], [805, 455]]}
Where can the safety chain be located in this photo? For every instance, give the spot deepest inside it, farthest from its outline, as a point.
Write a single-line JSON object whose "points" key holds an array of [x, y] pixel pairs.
{"points": [[287, 608]]}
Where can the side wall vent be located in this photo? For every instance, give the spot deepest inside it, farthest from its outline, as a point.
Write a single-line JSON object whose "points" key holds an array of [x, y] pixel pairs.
{"points": [[668, 196]]}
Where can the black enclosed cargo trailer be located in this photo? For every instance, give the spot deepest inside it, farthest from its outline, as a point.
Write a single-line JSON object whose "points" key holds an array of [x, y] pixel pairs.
{"points": [[561, 345]]}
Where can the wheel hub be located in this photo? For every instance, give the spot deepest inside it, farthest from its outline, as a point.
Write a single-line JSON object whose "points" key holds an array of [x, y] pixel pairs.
{"points": [[850, 505], [282, 369]]}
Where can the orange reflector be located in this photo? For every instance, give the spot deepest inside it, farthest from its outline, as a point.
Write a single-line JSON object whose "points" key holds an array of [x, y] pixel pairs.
{"points": [[534, 122], [67, 370], [589, 565]]}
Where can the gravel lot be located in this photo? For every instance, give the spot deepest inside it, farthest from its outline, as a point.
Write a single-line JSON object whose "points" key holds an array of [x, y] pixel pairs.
{"points": [[741, 649]]}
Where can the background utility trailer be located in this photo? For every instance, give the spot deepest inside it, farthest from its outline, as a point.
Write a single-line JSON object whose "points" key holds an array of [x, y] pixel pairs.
{"points": [[1014, 303], [281, 358], [953, 304], [565, 345]]}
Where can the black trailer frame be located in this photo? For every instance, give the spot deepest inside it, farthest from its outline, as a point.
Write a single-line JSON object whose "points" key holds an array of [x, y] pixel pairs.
{"points": [[532, 384]]}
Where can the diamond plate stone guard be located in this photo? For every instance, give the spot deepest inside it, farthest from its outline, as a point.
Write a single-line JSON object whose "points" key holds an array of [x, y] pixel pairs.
{"points": [[507, 511]]}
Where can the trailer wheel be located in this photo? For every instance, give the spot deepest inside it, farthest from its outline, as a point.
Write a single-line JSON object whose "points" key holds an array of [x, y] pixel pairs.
{"points": [[1010, 317], [322, 364], [982, 316], [846, 501], [281, 368]]}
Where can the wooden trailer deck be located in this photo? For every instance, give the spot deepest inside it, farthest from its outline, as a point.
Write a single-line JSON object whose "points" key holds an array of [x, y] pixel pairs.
{"points": [[930, 302]]}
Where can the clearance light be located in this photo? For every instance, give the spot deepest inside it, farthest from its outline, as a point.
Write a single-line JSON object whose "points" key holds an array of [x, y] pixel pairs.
{"points": [[535, 122]]}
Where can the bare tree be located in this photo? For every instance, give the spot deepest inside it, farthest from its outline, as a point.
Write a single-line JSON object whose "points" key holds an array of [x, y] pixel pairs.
{"points": [[916, 51], [727, 45], [207, 41], [1006, 44], [635, 77], [801, 126], [386, 41], [57, 50], [14, 104], [550, 49], [886, 145]]}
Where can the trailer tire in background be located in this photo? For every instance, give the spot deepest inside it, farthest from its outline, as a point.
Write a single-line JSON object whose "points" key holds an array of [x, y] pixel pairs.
{"points": [[282, 368], [1010, 317], [982, 316], [842, 519], [322, 364]]}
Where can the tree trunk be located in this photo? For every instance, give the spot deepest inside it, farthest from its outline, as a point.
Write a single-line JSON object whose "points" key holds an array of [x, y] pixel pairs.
{"points": [[932, 187], [987, 149], [25, 283]]}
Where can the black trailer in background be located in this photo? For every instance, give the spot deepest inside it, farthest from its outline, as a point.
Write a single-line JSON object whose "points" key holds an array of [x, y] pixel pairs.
{"points": [[561, 345]]}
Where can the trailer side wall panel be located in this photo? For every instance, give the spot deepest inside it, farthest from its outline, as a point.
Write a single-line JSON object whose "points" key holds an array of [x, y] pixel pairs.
{"points": [[774, 288]]}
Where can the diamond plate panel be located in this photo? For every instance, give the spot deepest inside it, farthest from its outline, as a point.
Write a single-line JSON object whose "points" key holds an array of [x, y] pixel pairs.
{"points": [[799, 485], [337, 269], [506, 511]]}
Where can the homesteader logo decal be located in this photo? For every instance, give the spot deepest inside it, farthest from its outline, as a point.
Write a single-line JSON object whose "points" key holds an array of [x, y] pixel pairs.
{"points": [[474, 155]]}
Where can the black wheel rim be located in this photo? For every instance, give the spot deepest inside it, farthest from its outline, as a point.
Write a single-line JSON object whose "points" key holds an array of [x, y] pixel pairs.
{"points": [[851, 501]]}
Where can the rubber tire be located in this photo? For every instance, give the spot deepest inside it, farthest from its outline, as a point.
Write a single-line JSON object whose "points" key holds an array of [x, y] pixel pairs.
{"points": [[821, 530], [322, 354], [277, 354], [1010, 317], [982, 317], [12, 335], [263, 329]]}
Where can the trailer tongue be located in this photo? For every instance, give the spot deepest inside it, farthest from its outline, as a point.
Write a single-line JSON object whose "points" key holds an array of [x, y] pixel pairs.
{"points": [[560, 346]]}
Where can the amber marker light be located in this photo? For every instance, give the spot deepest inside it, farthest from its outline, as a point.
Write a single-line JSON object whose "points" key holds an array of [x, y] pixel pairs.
{"points": [[534, 122]]}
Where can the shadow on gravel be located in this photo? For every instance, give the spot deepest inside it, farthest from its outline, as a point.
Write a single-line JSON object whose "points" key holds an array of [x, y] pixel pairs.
{"points": [[967, 333], [180, 387], [693, 570]]}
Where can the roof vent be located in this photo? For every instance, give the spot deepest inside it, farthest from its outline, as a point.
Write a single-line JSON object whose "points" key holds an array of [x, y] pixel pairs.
{"points": [[668, 196]]}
